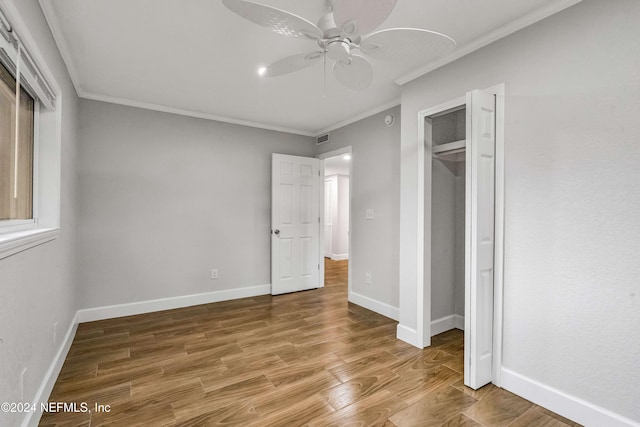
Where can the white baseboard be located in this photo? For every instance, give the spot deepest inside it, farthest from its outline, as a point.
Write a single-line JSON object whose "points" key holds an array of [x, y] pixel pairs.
{"points": [[32, 418], [407, 335], [568, 406], [339, 257], [374, 305], [130, 309], [443, 324], [112, 311]]}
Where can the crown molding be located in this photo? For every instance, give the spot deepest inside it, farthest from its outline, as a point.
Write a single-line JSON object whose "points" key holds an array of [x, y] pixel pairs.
{"points": [[492, 36], [54, 25], [357, 117], [190, 113]]}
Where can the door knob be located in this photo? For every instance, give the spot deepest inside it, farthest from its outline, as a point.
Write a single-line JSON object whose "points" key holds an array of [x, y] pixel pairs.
{"points": [[276, 232]]}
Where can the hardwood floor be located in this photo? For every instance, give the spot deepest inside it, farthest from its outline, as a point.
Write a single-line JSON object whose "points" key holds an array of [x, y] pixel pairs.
{"points": [[308, 358]]}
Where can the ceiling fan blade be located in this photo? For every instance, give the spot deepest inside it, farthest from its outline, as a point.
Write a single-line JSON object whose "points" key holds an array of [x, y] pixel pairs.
{"points": [[276, 20], [401, 43], [355, 17], [291, 64], [355, 73]]}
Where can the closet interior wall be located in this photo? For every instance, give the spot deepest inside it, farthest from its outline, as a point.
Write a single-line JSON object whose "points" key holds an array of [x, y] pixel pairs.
{"points": [[447, 182]]}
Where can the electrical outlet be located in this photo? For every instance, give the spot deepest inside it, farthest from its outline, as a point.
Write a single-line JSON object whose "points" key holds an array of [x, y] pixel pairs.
{"points": [[370, 214], [55, 332], [367, 278], [214, 273]]}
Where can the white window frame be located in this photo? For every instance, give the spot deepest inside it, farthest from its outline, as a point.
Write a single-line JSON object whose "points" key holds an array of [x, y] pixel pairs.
{"points": [[19, 235]]}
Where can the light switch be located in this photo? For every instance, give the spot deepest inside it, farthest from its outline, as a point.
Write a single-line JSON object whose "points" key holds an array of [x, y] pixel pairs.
{"points": [[369, 213]]}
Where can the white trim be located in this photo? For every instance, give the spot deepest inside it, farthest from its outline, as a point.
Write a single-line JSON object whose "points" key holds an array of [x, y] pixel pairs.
{"points": [[358, 117], [408, 335], [574, 408], [50, 377], [446, 323], [490, 37], [19, 241], [339, 257], [458, 322], [142, 307], [374, 305], [189, 113], [335, 153], [499, 221], [52, 19]]}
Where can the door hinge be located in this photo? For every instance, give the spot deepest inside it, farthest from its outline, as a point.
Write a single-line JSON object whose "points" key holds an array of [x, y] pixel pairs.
{"points": [[318, 220], [318, 266]]}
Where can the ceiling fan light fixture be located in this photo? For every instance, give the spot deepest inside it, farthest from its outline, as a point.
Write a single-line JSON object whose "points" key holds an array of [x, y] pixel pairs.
{"points": [[347, 25], [338, 50]]}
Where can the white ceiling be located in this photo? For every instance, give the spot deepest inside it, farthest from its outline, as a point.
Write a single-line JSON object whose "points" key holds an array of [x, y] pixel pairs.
{"points": [[196, 57]]}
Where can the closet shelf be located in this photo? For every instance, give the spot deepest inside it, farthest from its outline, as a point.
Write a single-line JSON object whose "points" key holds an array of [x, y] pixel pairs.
{"points": [[450, 146], [452, 151]]}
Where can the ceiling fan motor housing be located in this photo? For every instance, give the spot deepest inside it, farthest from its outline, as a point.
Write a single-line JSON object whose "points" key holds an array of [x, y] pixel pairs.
{"points": [[339, 50]]}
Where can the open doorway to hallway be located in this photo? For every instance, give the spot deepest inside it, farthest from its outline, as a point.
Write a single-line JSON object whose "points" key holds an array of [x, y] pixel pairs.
{"points": [[335, 235]]}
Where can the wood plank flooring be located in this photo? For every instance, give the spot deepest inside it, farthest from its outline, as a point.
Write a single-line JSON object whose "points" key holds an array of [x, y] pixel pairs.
{"points": [[308, 358]]}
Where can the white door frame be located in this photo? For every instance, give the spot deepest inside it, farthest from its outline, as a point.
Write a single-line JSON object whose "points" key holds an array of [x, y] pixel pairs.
{"points": [[339, 152], [424, 213]]}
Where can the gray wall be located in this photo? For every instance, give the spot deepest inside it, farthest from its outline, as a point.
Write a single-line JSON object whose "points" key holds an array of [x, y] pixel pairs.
{"points": [[375, 185], [572, 238], [166, 198], [443, 239], [447, 238], [37, 285]]}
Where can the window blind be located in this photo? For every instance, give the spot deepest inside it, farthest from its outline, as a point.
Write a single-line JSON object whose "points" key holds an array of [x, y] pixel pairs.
{"points": [[12, 52]]}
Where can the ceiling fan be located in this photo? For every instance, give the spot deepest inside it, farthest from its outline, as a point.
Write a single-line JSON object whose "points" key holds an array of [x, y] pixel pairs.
{"points": [[344, 30]]}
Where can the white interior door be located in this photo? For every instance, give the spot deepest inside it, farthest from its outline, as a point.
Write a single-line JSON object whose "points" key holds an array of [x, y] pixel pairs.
{"points": [[295, 223], [329, 191], [480, 194]]}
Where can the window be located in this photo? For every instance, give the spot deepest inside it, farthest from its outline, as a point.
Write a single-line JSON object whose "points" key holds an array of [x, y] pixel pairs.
{"points": [[16, 150], [30, 140]]}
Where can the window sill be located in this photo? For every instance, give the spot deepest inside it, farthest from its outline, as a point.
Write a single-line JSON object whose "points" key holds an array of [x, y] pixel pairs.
{"points": [[12, 243]]}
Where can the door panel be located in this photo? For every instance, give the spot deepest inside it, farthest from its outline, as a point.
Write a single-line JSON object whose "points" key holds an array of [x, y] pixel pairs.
{"points": [[479, 245], [295, 226]]}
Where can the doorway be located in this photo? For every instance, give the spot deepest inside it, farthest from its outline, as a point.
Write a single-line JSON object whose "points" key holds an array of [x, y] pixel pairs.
{"points": [[335, 224]]}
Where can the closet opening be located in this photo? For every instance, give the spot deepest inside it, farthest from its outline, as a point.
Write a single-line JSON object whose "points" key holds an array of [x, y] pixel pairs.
{"points": [[445, 133]]}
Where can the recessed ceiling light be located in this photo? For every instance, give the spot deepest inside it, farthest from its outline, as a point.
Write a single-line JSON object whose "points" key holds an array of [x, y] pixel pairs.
{"points": [[347, 157], [262, 70]]}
